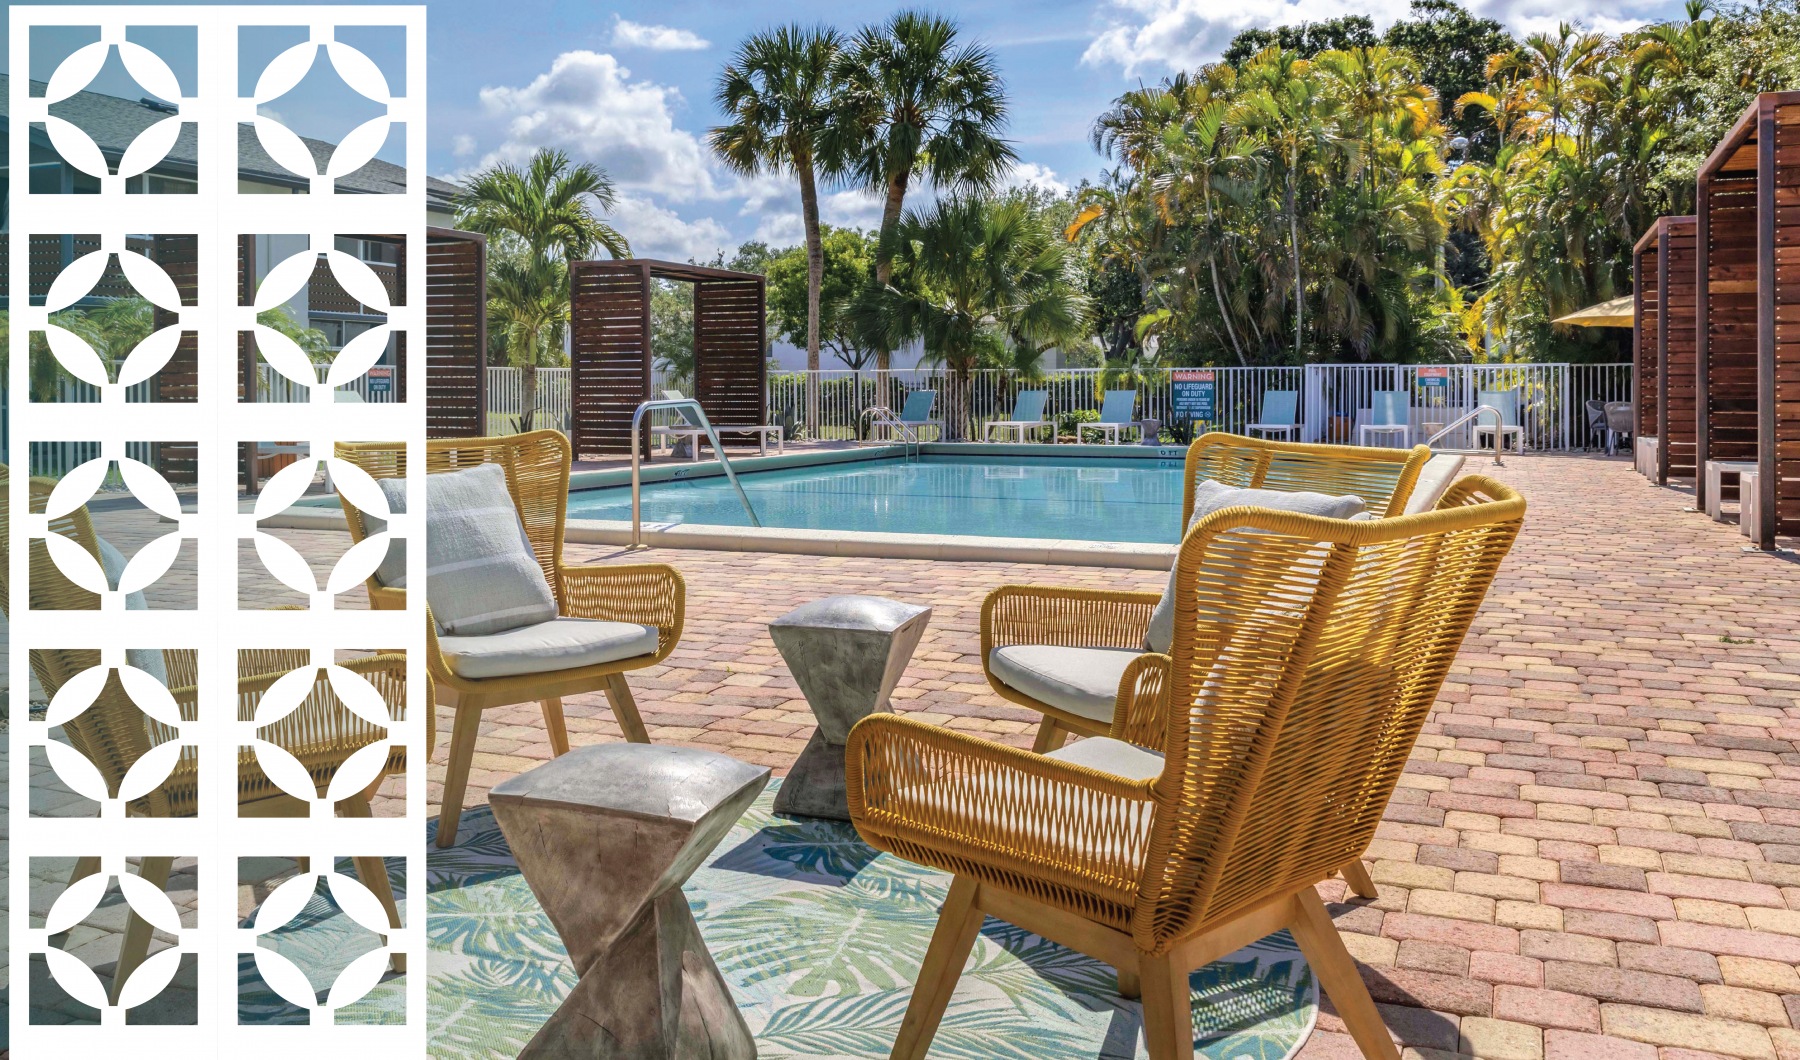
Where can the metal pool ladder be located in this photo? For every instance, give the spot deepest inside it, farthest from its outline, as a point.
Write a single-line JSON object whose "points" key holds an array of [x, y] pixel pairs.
{"points": [[882, 416], [698, 417]]}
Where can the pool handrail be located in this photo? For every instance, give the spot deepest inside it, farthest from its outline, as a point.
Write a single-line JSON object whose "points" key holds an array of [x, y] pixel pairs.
{"points": [[699, 415], [1474, 414], [884, 417]]}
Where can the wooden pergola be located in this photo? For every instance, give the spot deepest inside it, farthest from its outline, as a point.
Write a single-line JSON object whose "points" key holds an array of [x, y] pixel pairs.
{"points": [[1748, 392], [610, 352], [1663, 340]]}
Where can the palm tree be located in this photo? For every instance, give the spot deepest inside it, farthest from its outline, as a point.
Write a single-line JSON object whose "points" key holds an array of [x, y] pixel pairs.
{"points": [[987, 282], [542, 217], [528, 297], [915, 102], [777, 90]]}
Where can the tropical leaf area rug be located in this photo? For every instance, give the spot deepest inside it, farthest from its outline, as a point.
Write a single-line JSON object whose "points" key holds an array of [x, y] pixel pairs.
{"points": [[820, 938]]}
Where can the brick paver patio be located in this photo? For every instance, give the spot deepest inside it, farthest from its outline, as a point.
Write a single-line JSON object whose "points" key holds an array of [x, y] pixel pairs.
{"points": [[1595, 853]]}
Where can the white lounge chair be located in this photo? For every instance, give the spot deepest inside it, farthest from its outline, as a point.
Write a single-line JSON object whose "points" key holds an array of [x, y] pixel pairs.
{"points": [[1279, 411], [1117, 410], [1506, 402], [1390, 413], [1028, 415], [690, 428]]}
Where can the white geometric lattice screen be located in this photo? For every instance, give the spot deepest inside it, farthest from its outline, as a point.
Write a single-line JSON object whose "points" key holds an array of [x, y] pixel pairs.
{"points": [[224, 738]]}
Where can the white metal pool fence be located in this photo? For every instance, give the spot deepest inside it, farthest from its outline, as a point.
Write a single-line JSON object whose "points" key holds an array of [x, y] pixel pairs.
{"points": [[1333, 399]]}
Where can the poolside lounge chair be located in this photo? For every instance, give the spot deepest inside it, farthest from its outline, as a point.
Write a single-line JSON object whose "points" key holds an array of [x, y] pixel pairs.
{"points": [[603, 622], [689, 429], [1390, 413], [1237, 771], [1117, 411], [1506, 402], [114, 732], [1028, 415], [916, 412], [1280, 408]]}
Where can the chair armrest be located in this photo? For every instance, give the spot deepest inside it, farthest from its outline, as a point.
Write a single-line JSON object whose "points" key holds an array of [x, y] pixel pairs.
{"points": [[384, 598], [650, 594], [1140, 715], [1073, 618], [965, 802]]}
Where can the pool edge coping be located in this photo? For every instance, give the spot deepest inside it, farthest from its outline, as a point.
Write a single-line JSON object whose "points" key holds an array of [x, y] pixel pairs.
{"points": [[845, 543]]}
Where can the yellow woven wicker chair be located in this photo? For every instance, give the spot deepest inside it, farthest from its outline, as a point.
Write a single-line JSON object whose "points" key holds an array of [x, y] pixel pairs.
{"points": [[1240, 770], [650, 594], [1048, 615], [113, 733]]}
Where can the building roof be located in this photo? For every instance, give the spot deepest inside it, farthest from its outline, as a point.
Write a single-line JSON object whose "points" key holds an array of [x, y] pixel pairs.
{"points": [[113, 122]]}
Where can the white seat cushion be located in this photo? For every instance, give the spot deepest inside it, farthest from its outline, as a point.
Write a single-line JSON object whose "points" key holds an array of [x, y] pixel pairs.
{"points": [[1082, 681], [559, 644]]}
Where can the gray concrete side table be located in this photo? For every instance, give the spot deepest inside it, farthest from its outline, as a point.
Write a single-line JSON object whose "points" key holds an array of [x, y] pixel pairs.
{"points": [[606, 836], [846, 653]]}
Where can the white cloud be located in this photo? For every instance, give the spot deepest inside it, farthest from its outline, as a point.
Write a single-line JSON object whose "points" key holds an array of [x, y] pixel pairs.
{"points": [[588, 104], [462, 145], [627, 34], [1163, 35], [1182, 34], [1034, 175], [658, 232]]}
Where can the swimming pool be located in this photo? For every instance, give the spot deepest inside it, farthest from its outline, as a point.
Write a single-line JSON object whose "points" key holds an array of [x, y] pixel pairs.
{"points": [[1105, 499]]}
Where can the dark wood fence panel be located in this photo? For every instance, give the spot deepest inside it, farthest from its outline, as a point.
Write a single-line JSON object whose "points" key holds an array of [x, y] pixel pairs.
{"points": [[1726, 374], [179, 379], [609, 338], [455, 334], [1676, 349], [1646, 270], [731, 365], [1749, 399]]}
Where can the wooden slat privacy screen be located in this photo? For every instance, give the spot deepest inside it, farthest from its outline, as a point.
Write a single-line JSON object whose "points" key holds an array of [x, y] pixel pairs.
{"points": [[1749, 304], [611, 348], [455, 334], [1665, 344]]}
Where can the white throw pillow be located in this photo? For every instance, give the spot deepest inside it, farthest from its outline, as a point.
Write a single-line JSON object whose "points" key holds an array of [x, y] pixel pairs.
{"points": [[481, 574], [1211, 496]]}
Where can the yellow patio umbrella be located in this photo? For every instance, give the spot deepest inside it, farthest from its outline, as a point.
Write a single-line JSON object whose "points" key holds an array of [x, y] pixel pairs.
{"points": [[1612, 313]]}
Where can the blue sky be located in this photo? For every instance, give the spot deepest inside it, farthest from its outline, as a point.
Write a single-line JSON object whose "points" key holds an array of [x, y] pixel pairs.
{"points": [[629, 85]]}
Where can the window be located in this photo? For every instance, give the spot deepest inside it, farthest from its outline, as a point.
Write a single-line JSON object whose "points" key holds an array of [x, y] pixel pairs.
{"points": [[153, 184]]}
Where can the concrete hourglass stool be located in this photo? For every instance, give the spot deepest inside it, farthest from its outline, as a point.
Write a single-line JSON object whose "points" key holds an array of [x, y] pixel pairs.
{"points": [[846, 653], [606, 836]]}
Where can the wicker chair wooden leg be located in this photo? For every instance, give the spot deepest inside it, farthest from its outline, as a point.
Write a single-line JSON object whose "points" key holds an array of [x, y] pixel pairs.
{"points": [[1331, 962], [1131, 988], [136, 944], [554, 726], [84, 867], [456, 773], [625, 709], [372, 871], [1356, 874], [1168, 1012], [1050, 736], [957, 927]]}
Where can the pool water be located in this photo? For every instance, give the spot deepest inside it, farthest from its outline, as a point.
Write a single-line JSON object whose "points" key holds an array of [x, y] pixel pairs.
{"points": [[1084, 500]]}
